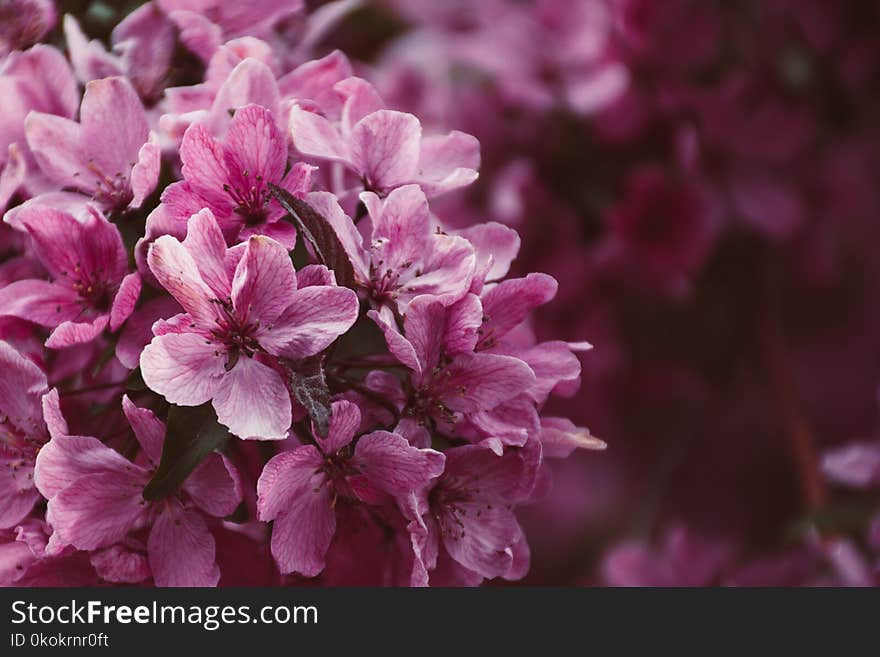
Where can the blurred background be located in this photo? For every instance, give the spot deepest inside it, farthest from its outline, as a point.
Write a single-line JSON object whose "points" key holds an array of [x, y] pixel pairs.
{"points": [[701, 178]]}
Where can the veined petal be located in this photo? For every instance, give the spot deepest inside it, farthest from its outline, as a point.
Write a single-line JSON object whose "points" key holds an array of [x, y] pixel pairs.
{"points": [[252, 400], [185, 368]]}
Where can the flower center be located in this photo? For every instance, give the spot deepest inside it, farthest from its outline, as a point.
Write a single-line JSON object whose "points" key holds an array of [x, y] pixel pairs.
{"points": [[250, 201], [238, 337]]}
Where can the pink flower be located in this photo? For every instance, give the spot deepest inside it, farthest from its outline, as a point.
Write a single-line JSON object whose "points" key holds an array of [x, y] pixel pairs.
{"points": [[205, 24], [243, 310], [856, 465], [449, 380], [38, 79], [405, 255], [95, 501], [91, 288], [665, 225], [24, 560], [22, 432], [298, 489], [143, 46], [467, 512], [682, 559], [109, 155], [24, 22], [231, 178], [384, 148]]}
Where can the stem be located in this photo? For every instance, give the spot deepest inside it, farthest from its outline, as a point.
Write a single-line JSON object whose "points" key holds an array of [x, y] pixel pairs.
{"points": [[797, 430]]}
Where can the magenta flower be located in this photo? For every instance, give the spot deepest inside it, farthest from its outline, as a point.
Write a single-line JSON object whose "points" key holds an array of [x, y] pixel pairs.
{"points": [[231, 178], [856, 465], [405, 255], [243, 309], [109, 155], [90, 289], [95, 501], [143, 47], [205, 24], [665, 225], [467, 512], [384, 148], [40, 80], [448, 379], [298, 489], [22, 432], [24, 22]]}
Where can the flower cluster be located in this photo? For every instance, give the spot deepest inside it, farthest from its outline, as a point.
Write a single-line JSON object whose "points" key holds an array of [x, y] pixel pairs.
{"points": [[240, 341], [702, 170]]}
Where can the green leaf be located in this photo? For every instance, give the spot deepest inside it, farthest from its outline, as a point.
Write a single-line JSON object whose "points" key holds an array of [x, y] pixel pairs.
{"points": [[315, 228], [309, 386], [191, 434]]}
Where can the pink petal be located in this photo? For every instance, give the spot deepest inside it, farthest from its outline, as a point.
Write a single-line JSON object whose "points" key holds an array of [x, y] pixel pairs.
{"points": [[496, 247], [120, 564], [21, 387], [315, 275], [114, 124], [56, 143], [385, 148], [125, 300], [509, 303], [72, 333], [287, 475], [71, 248], [204, 169], [316, 316], [857, 464], [315, 136], [214, 486], [447, 273], [482, 381], [148, 429], [392, 465], [183, 368], [52, 415], [345, 418], [480, 543], [205, 242], [252, 400], [145, 173], [442, 154], [197, 32], [90, 59], [17, 492], [181, 549], [314, 80], [176, 270], [361, 99], [448, 162], [250, 83], [401, 348], [264, 281], [255, 148], [404, 220], [97, 510], [65, 459], [303, 532], [560, 437]]}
